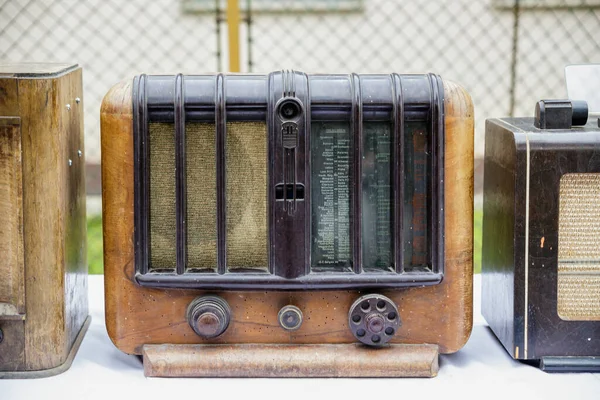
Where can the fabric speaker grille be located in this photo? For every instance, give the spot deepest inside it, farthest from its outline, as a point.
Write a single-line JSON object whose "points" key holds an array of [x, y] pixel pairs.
{"points": [[246, 183], [578, 247], [246, 194]]}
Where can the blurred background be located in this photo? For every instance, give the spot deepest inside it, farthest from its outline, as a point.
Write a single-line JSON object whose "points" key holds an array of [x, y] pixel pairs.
{"points": [[507, 53]]}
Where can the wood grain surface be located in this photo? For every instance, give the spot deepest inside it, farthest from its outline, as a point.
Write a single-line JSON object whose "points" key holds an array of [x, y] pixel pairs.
{"points": [[12, 286], [53, 207], [291, 361], [439, 315]]}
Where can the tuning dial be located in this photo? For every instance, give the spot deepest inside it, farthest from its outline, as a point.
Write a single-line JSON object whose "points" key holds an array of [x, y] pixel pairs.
{"points": [[209, 316], [374, 319]]}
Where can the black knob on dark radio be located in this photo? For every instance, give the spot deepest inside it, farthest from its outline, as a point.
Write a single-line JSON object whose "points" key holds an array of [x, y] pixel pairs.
{"points": [[374, 319], [209, 316], [289, 109]]}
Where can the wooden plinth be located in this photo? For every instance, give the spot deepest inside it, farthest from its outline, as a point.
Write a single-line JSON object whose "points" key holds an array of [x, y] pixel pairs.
{"points": [[290, 361]]}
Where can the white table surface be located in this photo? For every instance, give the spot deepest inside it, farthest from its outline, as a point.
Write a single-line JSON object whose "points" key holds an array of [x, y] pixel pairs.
{"points": [[481, 370]]}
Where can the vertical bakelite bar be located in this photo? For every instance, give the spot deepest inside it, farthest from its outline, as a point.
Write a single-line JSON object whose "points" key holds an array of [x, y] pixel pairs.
{"points": [[221, 127], [357, 135], [440, 195], [180, 178], [141, 174], [398, 168], [436, 238]]}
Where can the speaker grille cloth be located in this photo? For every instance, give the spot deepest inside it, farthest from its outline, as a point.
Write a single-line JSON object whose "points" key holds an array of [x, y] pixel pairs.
{"points": [[246, 175], [246, 193], [162, 196], [201, 181], [578, 247]]}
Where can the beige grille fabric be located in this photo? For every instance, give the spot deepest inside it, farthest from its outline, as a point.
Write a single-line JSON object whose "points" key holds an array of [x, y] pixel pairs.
{"points": [[201, 180], [246, 192], [162, 196], [579, 247]]}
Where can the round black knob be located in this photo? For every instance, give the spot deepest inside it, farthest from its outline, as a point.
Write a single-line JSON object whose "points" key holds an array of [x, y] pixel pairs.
{"points": [[580, 112], [209, 316], [289, 109], [374, 319], [290, 318]]}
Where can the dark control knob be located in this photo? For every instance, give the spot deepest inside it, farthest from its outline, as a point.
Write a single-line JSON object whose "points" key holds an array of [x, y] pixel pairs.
{"points": [[560, 114], [209, 316], [580, 112], [290, 318], [374, 319]]}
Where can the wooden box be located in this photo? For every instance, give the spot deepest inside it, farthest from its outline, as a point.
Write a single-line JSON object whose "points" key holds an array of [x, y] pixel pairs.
{"points": [[213, 260], [43, 269], [541, 218]]}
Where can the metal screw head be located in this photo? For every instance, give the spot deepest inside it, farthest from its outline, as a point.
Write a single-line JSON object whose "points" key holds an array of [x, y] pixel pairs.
{"points": [[70, 162], [79, 153], [290, 318], [68, 107], [374, 319], [77, 100]]}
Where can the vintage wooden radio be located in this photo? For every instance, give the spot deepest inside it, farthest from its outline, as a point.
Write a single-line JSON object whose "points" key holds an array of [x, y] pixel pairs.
{"points": [[541, 225], [264, 225], [43, 269]]}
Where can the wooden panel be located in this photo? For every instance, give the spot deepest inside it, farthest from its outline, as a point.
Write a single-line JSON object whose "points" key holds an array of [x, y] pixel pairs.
{"points": [[43, 181], [33, 69], [54, 218], [75, 227], [12, 290], [498, 261], [50, 210], [290, 361], [135, 316], [12, 347]]}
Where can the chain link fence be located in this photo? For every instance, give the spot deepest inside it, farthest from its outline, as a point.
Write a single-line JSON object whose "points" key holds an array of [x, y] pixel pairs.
{"points": [[507, 53], [111, 40]]}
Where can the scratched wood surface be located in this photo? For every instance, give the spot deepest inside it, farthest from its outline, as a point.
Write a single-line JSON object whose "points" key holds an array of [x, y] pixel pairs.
{"points": [[12, 286], [52, 203], [439, 315], [291, 361]]}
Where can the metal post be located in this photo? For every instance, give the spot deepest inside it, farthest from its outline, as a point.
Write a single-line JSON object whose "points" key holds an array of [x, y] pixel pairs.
{"points": [[233, 28]]}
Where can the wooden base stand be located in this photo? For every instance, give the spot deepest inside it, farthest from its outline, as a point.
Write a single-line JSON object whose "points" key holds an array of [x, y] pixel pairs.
{"points": [[290, 361]]}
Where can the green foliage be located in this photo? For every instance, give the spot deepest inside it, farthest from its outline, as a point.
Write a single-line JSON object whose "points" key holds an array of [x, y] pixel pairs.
{"points": [[94, 245]]}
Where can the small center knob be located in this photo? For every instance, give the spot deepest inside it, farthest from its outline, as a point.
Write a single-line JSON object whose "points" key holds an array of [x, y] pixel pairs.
{"points": [[208, 324], [290, 318], [375, 323]]}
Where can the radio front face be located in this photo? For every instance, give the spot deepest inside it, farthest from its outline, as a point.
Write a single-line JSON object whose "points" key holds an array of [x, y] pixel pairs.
{"points": [[288, 181], [288, 208]]}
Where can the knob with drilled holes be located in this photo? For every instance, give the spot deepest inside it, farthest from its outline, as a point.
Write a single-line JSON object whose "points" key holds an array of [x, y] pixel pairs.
{"points": [[374, 319]]}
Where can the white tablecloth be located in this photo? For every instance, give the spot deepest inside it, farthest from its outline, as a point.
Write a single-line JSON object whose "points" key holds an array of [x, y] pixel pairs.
{"points": [[481, 370]]}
